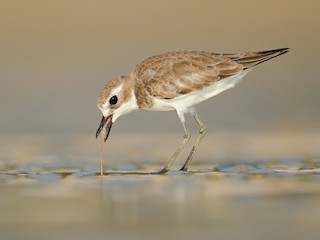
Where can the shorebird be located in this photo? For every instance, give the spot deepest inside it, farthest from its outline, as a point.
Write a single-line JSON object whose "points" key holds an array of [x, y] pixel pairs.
{"points": [[176, 81]]}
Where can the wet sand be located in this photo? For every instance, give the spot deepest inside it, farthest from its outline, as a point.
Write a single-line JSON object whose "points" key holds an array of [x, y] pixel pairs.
{"points": [[50, 188]]}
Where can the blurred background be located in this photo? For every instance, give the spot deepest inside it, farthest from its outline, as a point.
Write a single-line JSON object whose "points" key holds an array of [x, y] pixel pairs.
{"points": [[56, 55]]}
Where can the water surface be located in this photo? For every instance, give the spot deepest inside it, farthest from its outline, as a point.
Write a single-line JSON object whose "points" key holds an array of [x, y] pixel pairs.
{"points": [[49, 190]]}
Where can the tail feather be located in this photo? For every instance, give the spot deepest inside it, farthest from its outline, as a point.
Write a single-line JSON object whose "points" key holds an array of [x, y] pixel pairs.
{"points": [[251, 59]]}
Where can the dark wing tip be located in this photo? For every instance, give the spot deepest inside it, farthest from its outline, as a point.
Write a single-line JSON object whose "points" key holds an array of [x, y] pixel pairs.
{"points": [[253, 59]]}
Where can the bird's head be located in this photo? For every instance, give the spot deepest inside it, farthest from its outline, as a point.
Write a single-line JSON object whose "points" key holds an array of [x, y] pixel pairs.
{"points": [[116, 98]]}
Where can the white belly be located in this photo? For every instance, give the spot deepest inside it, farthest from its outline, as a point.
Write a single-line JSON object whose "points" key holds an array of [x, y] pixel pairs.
{"points": [[184, 102]]}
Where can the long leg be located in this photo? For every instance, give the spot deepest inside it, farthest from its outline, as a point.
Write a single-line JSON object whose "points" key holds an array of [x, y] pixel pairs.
{"points": [[185, 139], [202, 132]]}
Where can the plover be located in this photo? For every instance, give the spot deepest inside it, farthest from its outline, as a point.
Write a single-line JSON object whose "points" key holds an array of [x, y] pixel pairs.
{"points": [[176, 81]]}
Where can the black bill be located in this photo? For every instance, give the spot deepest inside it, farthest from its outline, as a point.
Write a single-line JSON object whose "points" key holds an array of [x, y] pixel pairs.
{"points": [[107, 123]]}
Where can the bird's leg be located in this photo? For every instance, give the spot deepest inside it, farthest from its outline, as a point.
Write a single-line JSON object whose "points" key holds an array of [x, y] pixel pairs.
{"points": [[185, 139], [202, 132]]}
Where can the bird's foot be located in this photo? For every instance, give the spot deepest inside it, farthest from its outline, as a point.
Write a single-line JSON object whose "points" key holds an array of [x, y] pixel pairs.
{"points": [[162, 171], [184, 168]]}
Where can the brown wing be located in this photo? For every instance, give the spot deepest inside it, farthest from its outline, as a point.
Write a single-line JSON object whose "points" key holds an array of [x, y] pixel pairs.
{"points": [[173, 74]]}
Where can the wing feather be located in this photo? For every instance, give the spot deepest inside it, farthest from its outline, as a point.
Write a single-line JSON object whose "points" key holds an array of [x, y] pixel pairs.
{"points": [[173, 74]]}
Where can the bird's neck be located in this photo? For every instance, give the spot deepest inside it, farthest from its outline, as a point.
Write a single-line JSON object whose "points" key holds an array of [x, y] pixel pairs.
{"points": [[142, 96]]}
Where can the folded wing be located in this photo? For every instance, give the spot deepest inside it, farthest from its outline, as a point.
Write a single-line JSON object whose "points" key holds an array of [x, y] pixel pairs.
{"points": [[174, 74]]}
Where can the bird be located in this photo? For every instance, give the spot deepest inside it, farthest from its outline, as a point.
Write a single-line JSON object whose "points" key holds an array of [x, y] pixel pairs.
{"points": [[176, 81]]}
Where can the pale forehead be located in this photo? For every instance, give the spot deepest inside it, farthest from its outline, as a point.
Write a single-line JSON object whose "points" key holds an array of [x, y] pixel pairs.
{"points": [[112, 87]]}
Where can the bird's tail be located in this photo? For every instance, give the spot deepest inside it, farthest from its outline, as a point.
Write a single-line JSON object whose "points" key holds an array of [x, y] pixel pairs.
{"points": [[251, 59]]}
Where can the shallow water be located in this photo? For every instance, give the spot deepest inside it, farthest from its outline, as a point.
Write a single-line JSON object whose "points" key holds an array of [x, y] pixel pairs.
{"points": [[50, 188]]}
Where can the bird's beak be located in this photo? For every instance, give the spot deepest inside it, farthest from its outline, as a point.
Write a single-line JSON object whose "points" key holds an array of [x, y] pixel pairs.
{"points": [[107, 123]]}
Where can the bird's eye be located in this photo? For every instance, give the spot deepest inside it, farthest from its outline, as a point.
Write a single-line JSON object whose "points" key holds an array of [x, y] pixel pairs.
{"points": [[113, 100]]}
